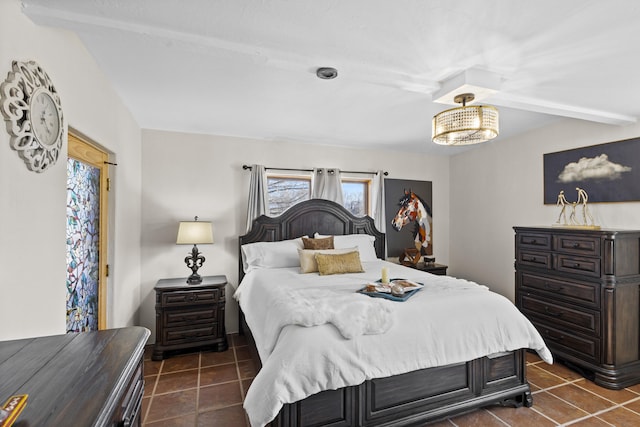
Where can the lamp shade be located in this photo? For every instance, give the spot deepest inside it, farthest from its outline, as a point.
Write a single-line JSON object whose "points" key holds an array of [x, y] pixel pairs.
{"points": [[194, 233], [469, 124]]}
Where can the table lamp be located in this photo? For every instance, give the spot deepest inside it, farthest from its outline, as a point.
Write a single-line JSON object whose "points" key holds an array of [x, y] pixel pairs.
{"points": [[194, 233]]}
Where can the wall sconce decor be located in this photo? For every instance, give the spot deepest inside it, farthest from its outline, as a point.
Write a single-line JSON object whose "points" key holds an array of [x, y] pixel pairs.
{"points": [[194, 233]]}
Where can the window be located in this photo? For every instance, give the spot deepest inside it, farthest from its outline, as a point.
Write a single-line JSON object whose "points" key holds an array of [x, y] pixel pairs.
{"points": [[355, 194], [287, 190]]}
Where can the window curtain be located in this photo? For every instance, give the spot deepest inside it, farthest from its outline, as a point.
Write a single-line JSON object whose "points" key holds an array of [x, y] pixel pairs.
{"points": [[258, 204], [377, 201], [326, 184]]}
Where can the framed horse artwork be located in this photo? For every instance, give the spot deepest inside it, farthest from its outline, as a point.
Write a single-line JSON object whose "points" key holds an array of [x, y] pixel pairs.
{"points": [[408, 210]]}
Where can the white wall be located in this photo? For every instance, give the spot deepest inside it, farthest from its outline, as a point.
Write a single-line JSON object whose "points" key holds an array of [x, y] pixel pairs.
{"points": [[32, 210], [186, 174], [500, 185]]}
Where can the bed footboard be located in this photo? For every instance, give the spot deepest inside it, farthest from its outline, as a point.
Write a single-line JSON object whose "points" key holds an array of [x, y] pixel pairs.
{"points": [[416, 397]]}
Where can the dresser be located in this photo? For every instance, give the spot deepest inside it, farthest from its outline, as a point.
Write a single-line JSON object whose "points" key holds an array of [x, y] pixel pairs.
{"points": [[189, 316], [580, 288], [77, 379]]}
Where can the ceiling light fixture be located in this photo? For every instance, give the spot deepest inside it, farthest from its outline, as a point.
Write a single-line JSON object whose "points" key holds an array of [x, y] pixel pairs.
{"points": [[465, 125], [327, 73]]}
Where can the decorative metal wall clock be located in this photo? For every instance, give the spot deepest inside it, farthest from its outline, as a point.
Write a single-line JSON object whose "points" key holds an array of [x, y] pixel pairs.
{"points": [[31, 107]]}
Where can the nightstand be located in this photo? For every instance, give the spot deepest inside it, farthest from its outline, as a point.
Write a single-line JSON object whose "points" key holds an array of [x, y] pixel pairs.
{"points": [[189, 316], [433, 268]]}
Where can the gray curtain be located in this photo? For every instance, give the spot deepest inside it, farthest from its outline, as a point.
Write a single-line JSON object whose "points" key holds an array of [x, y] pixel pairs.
{"points": [[258, 204], [377, 201], [326, 184]]}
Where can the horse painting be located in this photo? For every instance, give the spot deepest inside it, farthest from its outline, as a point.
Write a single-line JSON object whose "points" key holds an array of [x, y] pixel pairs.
{"points": [[414, 209]]}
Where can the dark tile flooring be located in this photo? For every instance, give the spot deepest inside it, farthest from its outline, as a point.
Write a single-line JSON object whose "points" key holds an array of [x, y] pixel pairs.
{"points": [[207, 389]]}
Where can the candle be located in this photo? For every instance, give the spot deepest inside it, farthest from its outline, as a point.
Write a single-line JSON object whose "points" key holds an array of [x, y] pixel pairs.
{"points": [[385, 275]]}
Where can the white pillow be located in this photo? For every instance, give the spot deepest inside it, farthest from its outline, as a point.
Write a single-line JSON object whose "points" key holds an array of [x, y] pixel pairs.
{"points": [[308, 263], [364, 243], [271, 254]]}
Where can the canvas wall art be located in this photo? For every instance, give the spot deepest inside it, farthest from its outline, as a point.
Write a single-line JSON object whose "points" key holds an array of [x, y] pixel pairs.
{"points": [[408, 212], [607, 172]]}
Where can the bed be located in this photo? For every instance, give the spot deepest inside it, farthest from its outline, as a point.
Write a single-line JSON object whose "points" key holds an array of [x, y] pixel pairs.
{"points": [[398, 392]]}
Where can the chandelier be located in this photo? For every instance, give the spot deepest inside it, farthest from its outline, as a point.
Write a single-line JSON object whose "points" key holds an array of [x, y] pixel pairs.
{"points": [[465, 125]]}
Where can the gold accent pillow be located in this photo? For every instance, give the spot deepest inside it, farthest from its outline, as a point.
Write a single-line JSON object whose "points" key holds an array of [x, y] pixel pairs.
{"points": [[307, 257], [339, 263], [322, 243]]}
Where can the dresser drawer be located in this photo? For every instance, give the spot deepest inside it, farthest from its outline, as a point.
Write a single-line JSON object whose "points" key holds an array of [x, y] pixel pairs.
{"points": [[557, 339], [131, 405], [173, 318], [577, 245], [535, 259], [582, 320], [200, 296], [578, 265], [534, 241], [584, 293], [174, 336]]}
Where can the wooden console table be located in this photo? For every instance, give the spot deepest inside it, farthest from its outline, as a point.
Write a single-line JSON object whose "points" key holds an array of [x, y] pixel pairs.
{"points": [[77, 379]]}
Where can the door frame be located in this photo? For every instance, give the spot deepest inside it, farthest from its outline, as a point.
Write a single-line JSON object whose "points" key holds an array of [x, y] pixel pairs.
{"points": [[86, 152]]}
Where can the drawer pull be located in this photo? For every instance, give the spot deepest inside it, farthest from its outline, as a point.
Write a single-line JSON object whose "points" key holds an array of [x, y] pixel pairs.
{"points": [[191, 297], [576, 265], [552, 313], [576, 245], [551, 287], [534, 241]]}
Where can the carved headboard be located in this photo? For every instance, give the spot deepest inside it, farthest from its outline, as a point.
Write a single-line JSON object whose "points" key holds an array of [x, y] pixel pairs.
{"points": [[309, 217]]}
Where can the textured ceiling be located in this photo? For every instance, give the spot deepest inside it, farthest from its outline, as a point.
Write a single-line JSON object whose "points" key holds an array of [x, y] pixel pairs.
{"points": [[247, 67]]}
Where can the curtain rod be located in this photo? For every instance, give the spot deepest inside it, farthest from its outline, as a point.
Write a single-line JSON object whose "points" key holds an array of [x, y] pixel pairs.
{"points": [[245, 167]]}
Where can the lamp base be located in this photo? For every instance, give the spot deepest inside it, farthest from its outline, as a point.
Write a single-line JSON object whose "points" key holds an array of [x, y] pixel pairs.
{"points": [[194, 279], [194, 262]]}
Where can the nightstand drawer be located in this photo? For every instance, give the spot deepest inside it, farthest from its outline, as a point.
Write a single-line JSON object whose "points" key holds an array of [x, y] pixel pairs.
{"points": [[588, 246], [584, 321], [190, 335], [180, 318], [578, 265], [536, 259], [179, 298], [581, 292], [534, 241]]}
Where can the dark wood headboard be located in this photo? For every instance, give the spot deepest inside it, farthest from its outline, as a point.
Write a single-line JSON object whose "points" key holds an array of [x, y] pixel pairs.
{"points": [[307, 218]]}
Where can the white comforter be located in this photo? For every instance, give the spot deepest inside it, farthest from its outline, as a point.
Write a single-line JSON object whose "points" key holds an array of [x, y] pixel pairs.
{"points": [[448, 321]]}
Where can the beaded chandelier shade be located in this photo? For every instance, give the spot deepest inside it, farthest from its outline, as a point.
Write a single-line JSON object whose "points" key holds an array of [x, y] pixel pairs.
{"points": [[465, 125]]}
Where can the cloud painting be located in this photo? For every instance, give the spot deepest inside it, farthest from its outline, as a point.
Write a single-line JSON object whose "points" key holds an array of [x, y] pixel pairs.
{"points": [[599, 167], [607, 172]]}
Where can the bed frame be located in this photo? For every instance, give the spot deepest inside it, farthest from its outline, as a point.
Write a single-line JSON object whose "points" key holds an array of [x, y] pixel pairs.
{"points": [[413, 398]]}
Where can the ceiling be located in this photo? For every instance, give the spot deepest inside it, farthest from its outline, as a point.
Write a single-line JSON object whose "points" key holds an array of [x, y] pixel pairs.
{"points": [[248, 68]]}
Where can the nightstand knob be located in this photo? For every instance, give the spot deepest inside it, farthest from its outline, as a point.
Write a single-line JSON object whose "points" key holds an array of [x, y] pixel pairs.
{"points": [[191, 298]]}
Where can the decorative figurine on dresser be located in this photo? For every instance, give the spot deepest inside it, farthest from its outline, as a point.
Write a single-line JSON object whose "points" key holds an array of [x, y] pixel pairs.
{"points": [[190, 316], [580, 287]]}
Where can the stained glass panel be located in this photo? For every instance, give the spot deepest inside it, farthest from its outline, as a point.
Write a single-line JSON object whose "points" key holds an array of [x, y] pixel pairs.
{"points": [[83, 226]]}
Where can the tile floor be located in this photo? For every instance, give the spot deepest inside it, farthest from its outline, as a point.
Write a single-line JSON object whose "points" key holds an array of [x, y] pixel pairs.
{"points": [[207, 389]]}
